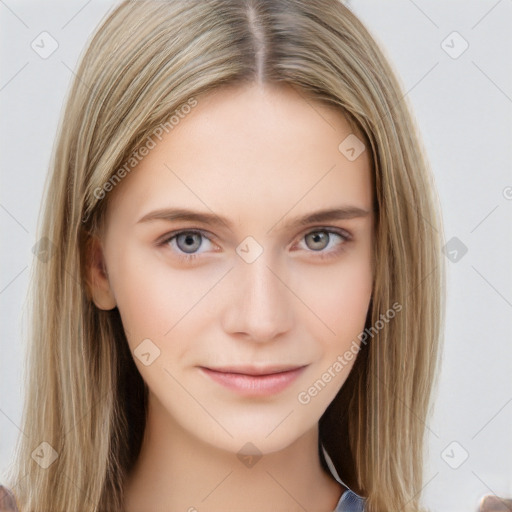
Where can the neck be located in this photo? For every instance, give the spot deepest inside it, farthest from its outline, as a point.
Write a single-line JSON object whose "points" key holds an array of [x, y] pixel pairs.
{"points": [[177, 471]]}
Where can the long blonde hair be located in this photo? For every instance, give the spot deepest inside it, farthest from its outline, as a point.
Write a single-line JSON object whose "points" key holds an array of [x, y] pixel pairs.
{"points": [[84, 396]]}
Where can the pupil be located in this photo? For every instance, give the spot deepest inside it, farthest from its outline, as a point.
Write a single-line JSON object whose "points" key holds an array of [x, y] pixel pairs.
{"points": [[319, 237], [192, 242]]}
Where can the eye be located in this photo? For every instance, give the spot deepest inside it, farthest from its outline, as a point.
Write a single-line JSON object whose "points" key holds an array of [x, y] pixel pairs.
{"points": [[321, 239], [186, 243]]}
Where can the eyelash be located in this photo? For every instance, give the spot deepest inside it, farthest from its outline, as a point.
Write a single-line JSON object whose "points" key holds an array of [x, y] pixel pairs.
{"points": [[345, 235]]}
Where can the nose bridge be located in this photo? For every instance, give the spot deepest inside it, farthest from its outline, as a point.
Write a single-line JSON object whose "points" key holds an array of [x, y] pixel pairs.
{"points": [[260, 306]]}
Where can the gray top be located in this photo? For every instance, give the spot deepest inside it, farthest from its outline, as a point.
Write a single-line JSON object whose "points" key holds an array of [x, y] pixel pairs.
{"points": [[349, 501]]}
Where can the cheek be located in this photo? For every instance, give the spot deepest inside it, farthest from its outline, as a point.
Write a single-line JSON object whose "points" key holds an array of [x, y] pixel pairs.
{"points": [[339, 297], [152, 298], [165, 304]]}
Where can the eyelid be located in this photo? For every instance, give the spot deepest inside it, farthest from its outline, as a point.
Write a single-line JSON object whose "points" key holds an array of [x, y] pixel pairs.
{"points": [[341, 231], [329, 229], [211, 236], [171, 234]]}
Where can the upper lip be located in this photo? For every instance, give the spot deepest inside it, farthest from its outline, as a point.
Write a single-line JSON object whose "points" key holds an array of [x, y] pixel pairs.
{"points": [[255, 370]]}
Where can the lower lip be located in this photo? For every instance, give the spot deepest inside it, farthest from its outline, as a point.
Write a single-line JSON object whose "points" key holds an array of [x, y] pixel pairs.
{"points": [[255, 385]]}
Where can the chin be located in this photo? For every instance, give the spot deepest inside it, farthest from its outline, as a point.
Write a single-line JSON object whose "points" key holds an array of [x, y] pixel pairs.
{"points": [[257, 438]]}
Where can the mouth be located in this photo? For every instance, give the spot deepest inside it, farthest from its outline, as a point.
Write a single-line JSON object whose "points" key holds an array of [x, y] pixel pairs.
{"points": [[255, 370], [254, 381]]}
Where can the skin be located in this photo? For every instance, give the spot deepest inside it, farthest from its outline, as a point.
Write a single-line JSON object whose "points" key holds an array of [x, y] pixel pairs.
{"points": [[258, 156]]}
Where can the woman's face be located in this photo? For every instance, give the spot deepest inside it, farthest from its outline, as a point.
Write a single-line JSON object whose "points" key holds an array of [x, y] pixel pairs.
{"points": [[214, 265]]}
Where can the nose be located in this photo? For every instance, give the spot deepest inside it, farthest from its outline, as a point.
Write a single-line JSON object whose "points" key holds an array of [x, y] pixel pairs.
{"points": [[259, 306]]}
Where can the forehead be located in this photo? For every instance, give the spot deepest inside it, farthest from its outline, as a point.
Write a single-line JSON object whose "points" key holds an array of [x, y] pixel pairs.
{"points": [[250, 148]]}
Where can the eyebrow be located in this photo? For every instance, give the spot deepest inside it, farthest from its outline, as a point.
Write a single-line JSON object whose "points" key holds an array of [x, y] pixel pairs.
{"points": [[183, 214]]}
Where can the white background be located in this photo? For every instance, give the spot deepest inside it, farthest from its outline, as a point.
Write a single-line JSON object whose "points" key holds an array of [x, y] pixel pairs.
{"points": [[463, 107]]}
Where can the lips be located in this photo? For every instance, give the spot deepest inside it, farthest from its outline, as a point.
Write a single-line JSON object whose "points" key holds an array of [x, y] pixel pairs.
{"points": [[255, 371], [254, 381]]}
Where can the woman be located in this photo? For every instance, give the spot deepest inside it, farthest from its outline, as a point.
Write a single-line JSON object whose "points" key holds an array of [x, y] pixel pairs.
{"points": [[287, 361]]}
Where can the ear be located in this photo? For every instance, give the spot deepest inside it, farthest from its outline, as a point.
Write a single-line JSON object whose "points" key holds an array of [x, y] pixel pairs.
{"points": [[99, 289]]}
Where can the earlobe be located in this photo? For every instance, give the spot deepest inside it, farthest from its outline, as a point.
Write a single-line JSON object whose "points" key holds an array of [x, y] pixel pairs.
{"points": [[99, 289]]}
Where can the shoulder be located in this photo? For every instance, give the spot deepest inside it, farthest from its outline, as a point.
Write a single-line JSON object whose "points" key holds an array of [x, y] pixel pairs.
{"points": [[7, 500]]}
